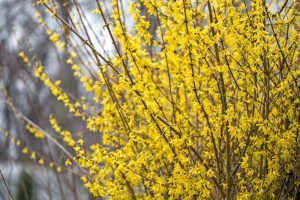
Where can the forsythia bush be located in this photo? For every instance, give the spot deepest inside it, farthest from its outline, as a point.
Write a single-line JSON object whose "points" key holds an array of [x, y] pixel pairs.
{"points": [[205, 108]]}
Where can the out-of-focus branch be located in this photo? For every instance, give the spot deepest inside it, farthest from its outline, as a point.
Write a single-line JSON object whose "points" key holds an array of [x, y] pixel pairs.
{"points": [[23, 117], [7, 189]]}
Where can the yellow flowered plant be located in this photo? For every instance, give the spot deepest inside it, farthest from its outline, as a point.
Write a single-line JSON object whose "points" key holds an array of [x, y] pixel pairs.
{"points": [[205, 107]]}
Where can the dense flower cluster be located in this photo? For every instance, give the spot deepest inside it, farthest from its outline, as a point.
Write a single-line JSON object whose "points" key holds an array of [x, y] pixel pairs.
{"points": [[206, 108]]}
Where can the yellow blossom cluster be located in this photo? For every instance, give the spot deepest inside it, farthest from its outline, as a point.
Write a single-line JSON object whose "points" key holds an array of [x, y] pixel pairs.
{"points": [[66, 135], [33, 155], [206, 108], [37, 133], [58, 92]]}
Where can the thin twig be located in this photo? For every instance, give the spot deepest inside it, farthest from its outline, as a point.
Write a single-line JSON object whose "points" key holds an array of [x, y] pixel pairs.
{"points": [[10, 194]]}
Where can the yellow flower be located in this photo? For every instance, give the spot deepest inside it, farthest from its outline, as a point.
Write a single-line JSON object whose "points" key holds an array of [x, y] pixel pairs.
{"points": [[33, 155], [25, 150], [59, 169], [41, 161], [68, 162], [51, 164]]}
